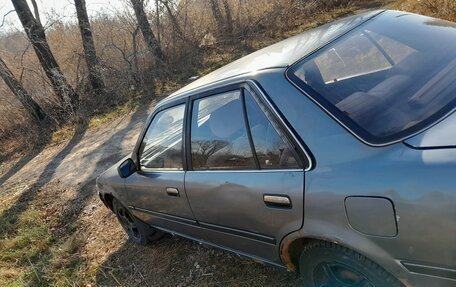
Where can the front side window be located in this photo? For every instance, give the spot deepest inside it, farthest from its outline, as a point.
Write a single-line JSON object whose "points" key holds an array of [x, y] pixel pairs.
{"points": [[271, 149], [384, 83], [219, 137], [162, 145]]}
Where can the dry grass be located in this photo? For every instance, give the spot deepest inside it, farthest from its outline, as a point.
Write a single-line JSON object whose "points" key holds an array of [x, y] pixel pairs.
{"points": [[258, 24], [444, 9], [74, 240]]}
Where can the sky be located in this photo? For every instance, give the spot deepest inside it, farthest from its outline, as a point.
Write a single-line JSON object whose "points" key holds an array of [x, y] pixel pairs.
{"points": [[49, 8]]}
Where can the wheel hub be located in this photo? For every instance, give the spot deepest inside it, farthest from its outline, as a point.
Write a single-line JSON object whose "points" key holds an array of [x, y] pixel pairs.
{"points": [[127, 223], [335, 274]]}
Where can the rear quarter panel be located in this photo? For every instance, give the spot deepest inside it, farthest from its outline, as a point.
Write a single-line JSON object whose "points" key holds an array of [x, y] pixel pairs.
{"points": [[420, 184]]}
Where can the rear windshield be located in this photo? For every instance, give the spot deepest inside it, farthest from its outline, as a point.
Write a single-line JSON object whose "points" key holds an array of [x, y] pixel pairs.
{"points": [[387, 79]]}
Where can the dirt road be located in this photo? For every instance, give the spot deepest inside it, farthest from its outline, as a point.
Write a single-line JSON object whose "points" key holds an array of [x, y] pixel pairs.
{"points": [[88, 247]]}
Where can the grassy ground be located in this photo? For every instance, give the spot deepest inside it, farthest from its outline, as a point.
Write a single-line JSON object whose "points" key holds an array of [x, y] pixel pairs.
{"points": [[34, 252], [56, 232]]}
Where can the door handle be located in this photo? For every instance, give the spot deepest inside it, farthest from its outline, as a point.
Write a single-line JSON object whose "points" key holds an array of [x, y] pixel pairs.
{"points": [[279, 201], [172, 191]]}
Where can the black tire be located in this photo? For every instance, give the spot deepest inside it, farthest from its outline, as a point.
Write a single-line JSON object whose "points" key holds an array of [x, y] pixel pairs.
{"points": [[325, 264], [137, 231]]}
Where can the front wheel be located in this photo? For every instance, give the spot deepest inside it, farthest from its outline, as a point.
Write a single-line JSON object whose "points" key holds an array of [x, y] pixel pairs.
{"points": [[137, 231], [325, 264]]}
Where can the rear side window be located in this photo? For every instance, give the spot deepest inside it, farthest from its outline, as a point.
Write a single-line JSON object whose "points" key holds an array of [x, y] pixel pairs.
{"points": [[271, 148], [162, 145], [219, 137], [384, 82]]}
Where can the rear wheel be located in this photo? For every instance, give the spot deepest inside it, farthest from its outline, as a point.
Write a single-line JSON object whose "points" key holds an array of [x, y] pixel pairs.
{"points": [[137, 231], [325, 264]]}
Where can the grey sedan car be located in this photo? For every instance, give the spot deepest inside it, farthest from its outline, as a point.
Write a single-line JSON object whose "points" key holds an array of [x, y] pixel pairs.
{"points": [[331, 153]]}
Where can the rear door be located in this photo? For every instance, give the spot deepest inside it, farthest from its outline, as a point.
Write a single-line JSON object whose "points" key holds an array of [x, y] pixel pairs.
{"points": [[245, 181], [156, 192]]}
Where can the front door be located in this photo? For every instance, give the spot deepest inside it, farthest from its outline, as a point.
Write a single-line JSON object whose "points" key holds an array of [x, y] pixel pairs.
{"points": [[156, 192], [245, 183]]}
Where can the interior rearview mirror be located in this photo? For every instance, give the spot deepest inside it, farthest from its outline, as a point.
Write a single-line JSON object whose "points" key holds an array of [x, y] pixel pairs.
{"points": [[126, 168]]}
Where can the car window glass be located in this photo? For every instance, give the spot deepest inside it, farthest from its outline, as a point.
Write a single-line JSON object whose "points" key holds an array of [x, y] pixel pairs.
{"points": [[218, 134], [382, 83], [271, 149], [351, 58], [162, 145], [396, 50]]}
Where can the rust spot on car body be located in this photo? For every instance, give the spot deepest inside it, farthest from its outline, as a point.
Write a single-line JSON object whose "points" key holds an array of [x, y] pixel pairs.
{"points": [[285, 254], [405, 282]]}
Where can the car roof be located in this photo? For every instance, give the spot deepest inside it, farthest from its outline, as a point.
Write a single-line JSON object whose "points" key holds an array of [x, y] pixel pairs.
{"points": [[279, 55]]}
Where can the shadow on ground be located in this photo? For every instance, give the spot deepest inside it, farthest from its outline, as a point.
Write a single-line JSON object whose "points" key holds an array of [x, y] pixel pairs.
{"points": [[34, 151], [60, 200], [174, 261], [63, 186], [11, 214]]}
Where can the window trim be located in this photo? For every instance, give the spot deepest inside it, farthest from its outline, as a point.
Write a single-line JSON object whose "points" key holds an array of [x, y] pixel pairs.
{"points": [[306, 157], [347, 123], [280, 132], [137, 156], [303, 158], [211, 93], [249, 130]]}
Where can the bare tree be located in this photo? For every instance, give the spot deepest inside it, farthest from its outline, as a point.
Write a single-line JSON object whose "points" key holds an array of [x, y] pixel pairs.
{"points": [[32, 107], [90, 54], [224, 20], [144, 25], [228, 18], [157, 16], [172, 17], [37, 37], [36, 12], [135, 73], [217, 13]]}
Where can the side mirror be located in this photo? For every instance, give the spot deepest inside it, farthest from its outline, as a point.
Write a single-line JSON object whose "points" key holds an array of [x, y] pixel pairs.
{"points": [[126, 168]]}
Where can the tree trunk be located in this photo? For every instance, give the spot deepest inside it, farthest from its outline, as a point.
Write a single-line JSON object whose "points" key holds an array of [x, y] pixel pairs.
{"points": [[36, 12], [144, 25], [157, 12], [228, 18], [176, 26], [136, 74], [173, 18], [224, 20], [37, 37], [217, 16], [90, 54], [33, 109]]}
